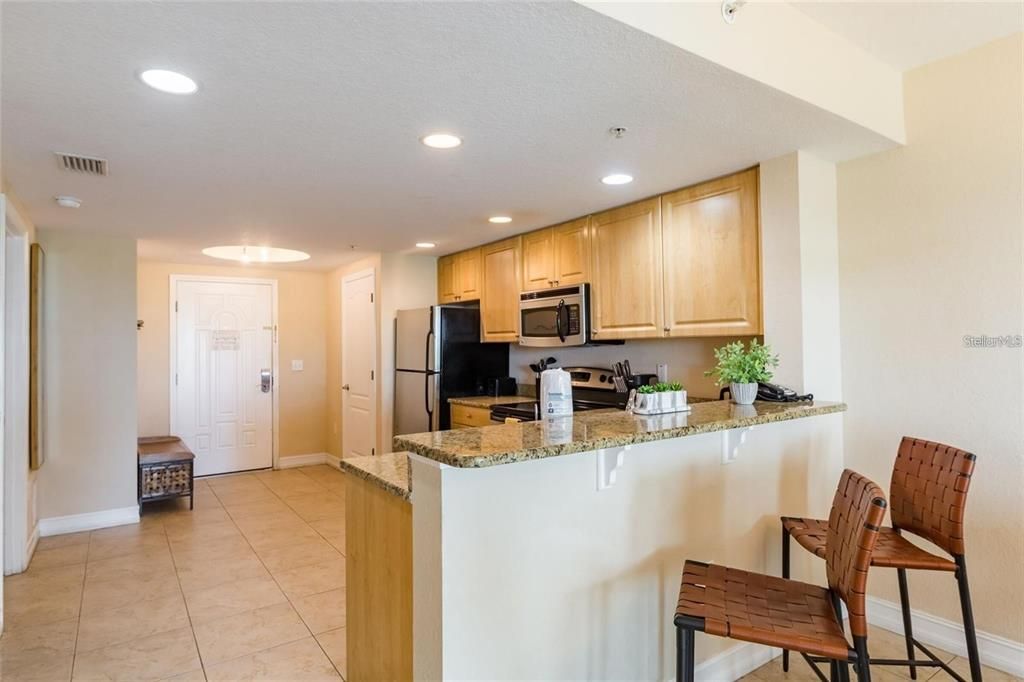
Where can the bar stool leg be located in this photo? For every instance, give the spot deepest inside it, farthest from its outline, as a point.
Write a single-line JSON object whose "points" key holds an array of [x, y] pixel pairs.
{"points": [[908, 631], [863, 665], [968, 611], [684, 654], [785, 574]]}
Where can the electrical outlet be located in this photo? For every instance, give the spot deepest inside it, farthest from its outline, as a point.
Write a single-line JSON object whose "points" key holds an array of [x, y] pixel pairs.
{"points": [[296, 365]]}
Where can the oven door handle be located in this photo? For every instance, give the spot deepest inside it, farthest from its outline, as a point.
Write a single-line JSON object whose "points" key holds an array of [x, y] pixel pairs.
{"points": [[558, 320]]}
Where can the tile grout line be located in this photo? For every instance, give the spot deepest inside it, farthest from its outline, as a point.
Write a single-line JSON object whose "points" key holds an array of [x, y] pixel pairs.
{"points": [[329, 659], [285, 594], [81, 603], [188, 612]]}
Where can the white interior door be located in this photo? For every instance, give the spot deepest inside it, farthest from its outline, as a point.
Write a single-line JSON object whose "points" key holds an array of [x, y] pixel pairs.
{"points": [[358, 363], [223, 398]]}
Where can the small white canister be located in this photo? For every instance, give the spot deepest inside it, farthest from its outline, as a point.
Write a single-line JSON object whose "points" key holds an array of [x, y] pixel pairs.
{"points": [[555, 393]]}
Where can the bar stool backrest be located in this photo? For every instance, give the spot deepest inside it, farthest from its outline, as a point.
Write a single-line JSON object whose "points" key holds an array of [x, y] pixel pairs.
{"points": [[928, 491], [857, 512]]}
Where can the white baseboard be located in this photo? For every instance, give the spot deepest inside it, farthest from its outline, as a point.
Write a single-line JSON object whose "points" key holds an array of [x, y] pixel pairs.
{"points": [[735, 662], [301, 460], [997, 652], [59, 525], [333, 461]]}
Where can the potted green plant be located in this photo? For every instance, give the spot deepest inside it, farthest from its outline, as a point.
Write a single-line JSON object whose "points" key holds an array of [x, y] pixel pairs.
{"points": [[741, 369], [661, 398]]}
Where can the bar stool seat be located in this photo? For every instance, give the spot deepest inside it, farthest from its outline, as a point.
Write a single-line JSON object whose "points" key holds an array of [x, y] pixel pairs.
{"points": [[891, 551], [762, 609]]}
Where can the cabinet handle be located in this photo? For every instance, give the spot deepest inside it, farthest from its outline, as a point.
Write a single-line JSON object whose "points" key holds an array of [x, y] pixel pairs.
{"points": [[556, 282]]}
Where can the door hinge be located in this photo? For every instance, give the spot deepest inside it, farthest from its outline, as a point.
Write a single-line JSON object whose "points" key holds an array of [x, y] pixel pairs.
{"points": [[373, 451], [175, 306], [371, 375], [175, 378], [371, 298]]}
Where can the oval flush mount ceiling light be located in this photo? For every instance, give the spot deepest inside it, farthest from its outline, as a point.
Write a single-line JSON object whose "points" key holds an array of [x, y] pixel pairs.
{"points": [[499, 219], [256, 254], [441, 140], [168, 81], [425, 245], [617, 179]]}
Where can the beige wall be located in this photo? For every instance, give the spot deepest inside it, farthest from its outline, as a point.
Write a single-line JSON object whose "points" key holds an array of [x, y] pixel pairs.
{"points": [[302, 332], [90, 386], [930, 245]]}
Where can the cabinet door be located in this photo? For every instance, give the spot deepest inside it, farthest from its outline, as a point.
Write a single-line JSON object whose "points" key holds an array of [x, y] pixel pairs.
{"points": [[499, 304], [626, 282], [446, 279], [538, 260], [711, 234], [572, 252], [467, 274]]}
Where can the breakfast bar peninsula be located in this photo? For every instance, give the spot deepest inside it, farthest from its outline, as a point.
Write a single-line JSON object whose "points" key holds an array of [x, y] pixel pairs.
{"points": [[553, 549]]}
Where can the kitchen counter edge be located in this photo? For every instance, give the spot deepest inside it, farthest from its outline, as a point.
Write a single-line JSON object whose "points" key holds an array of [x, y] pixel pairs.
{"points": [[526, 441], [390, 471]]}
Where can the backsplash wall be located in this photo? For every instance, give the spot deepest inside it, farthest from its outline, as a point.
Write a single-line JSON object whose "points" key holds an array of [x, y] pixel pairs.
{"points": [[687, 360]]}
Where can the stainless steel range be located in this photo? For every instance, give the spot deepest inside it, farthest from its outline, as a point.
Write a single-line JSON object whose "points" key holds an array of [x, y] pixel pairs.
{"points": [[593, 388]]}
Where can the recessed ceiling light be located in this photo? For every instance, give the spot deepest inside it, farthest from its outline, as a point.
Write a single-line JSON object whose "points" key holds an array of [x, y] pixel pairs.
{"points": [[500, 219], [169, 81], [441, 140], [617, 179], [68, 202], [260, 254], [425, 245]]}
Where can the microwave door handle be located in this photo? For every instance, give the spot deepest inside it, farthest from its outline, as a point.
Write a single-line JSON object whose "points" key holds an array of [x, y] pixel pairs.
{"points": [[558, 320]]}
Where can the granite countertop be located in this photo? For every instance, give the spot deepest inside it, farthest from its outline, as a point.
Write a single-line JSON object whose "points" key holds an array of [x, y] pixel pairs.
{"points": [[593, 430], [488, 400], [390, 471]]}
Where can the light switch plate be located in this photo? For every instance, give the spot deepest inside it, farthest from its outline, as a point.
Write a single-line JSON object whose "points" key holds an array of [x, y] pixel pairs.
{"points": [[296, 365]]}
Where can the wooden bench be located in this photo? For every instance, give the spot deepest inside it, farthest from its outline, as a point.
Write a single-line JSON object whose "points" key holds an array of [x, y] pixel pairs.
{"points": [[165, 470]]}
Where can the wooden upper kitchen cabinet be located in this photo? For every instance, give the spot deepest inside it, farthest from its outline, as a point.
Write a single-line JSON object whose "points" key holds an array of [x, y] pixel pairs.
{"points": [[626, 272], [711, 238], [458, 276], [499, 302], [556, 256], [446, 292], [467, 274], [538, 259]]}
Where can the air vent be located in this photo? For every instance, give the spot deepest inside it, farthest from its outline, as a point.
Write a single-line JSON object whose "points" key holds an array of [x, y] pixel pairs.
{"points": [[83, 164]]}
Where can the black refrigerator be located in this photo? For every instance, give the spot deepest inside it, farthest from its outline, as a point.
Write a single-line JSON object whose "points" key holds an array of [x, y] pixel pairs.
{"points": [[438, 355]]}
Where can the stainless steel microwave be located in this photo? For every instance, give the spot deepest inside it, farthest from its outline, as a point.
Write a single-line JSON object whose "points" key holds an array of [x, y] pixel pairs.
{"points": [[555, 317]]}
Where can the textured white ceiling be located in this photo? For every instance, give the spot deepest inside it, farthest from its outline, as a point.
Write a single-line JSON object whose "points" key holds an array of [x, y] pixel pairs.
{"points": [[908, 34], [304, 132]]}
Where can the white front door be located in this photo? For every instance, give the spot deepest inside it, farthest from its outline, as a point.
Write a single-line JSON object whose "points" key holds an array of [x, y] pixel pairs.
{"points": [[223, 397], [358, 363]]}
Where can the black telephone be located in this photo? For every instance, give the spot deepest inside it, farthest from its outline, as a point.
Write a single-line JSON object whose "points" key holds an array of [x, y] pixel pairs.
{"points": [[773, 393]]}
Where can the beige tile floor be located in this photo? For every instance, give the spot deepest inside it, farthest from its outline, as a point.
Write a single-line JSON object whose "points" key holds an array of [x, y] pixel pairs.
{"points": [[250, 585], [883, 644]]}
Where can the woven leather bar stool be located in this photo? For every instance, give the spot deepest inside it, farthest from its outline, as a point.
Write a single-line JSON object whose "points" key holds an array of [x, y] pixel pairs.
{"points": [[928, 494], [753, 607]]}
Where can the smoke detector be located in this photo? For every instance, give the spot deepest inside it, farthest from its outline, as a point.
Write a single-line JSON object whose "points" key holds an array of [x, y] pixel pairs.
{"points": [[89, 165], [68, 202]]}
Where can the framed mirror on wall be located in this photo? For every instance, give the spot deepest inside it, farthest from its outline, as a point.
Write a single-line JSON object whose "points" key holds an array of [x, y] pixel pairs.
{"points": [[36, 412]]}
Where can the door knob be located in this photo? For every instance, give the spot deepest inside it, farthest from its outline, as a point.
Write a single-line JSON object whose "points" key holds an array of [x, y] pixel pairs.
{"points": [[265, 380], [345, 387]]}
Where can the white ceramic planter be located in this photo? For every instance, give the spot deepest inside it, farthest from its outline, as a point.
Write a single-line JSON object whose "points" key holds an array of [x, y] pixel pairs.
{"points": [[660, 403], [743, 394]]}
